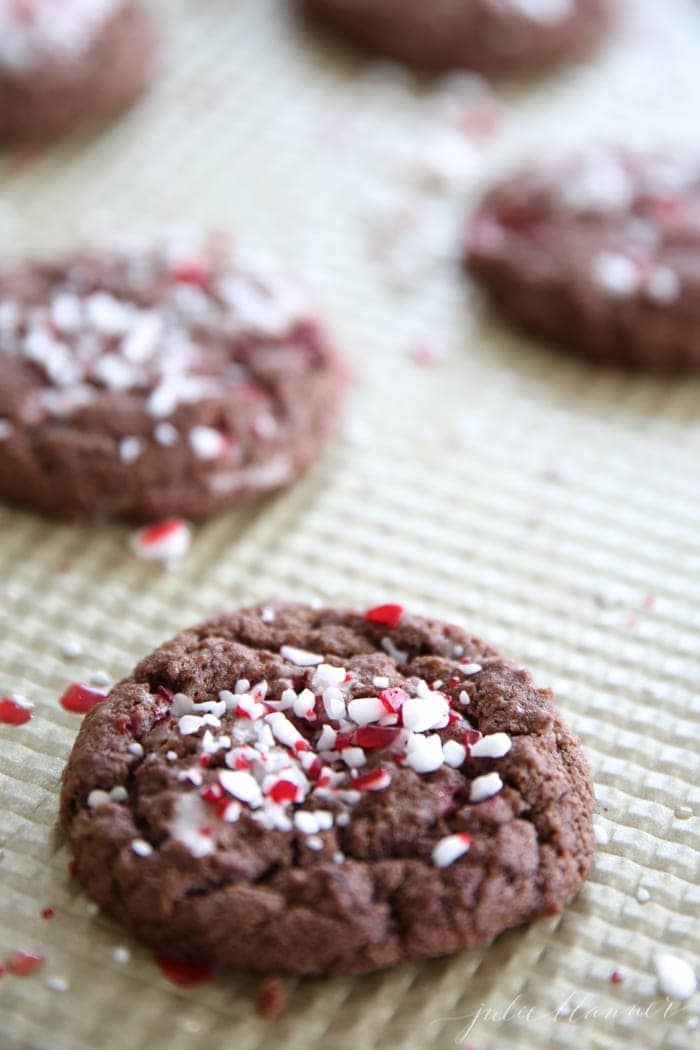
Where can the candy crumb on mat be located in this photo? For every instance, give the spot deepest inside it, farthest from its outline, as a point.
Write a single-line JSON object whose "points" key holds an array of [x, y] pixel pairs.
{"points": [[15, 710], [271, 999], [166, 541], [675, 976]]}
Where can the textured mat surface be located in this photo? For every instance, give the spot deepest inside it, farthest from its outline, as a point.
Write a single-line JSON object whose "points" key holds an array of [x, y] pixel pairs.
{"points": [[552, 509]]}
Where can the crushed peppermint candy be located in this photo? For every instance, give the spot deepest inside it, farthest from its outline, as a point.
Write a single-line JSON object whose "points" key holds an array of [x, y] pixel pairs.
{"points": [[89, 343], [23, 964], [167, 541], [300, 657], [130, 448], [450, 849], [81, 698], [208, 443], [389, 615], [494, 745], [15, 711], [676, 976], [141, 848], [485, 787], [295, 754], [33, 32]]}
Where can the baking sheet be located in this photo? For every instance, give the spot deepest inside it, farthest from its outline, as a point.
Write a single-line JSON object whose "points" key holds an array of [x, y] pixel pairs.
{"points": [[553, 509]]}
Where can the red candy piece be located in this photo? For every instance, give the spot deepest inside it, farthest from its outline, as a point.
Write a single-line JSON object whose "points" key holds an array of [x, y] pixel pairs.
{"points": [[283, 791], [190, 271], [47, 913], [22, 964], [213, 793], [375, 736], [123, 724], [343, 740], [389, 615], [393, 699], [12, 713], [160, 531], [186, 975], [375, 780], [272, 999], [81, 698]]}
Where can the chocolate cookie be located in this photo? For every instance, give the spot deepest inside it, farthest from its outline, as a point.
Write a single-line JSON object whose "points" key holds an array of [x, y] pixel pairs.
{"points": [[317, 791], [154, 381], [599, 252], [491, 36], [68, 64]]}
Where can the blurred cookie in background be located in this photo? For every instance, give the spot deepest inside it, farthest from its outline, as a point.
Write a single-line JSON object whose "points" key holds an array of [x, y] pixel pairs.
{"points": [[598, 252], [493, 37], [158, 380], [70, 64]]}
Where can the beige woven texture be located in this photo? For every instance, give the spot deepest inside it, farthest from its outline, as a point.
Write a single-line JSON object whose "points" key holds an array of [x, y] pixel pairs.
{"points": [[553, 509]]}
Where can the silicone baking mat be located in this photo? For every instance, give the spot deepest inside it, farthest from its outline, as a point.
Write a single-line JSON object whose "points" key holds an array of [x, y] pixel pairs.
{"points": [[480, 477]]}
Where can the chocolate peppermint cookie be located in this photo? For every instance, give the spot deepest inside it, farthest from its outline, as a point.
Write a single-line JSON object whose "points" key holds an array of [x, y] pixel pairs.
{"points": [[598, 252], [491, 36], [154, 381], [67, 64], [286, 789]]}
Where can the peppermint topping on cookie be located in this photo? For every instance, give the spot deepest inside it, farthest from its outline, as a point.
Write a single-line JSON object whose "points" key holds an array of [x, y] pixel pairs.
{"points": [[450, 849], [131, 322], [297, 753], [33, 31], [386, 614], [485, 786]]}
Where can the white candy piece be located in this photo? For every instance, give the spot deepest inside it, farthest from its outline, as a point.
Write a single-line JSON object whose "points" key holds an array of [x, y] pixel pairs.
{"points": [[282, 729], [484, 787], [424, 753], [365, 709], [354, 757], [97, 798], [207, 443], [454, 752], [300, 657], [676, 976], [326, 740], [663, 285], [130, 448], [421, 713], [616, 274], [495, 745], [468, 670], [326, 675], [141, 848], [450, 849], [242, 786], [334, 703]]}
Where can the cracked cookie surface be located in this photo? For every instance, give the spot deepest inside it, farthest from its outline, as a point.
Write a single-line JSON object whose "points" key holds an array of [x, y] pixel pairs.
{"points": [[288, 789]]}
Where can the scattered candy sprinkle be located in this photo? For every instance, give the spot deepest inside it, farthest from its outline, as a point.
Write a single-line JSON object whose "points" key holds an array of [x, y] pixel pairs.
{"points": [[79, 698], [14, 712], [186, 975]]}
